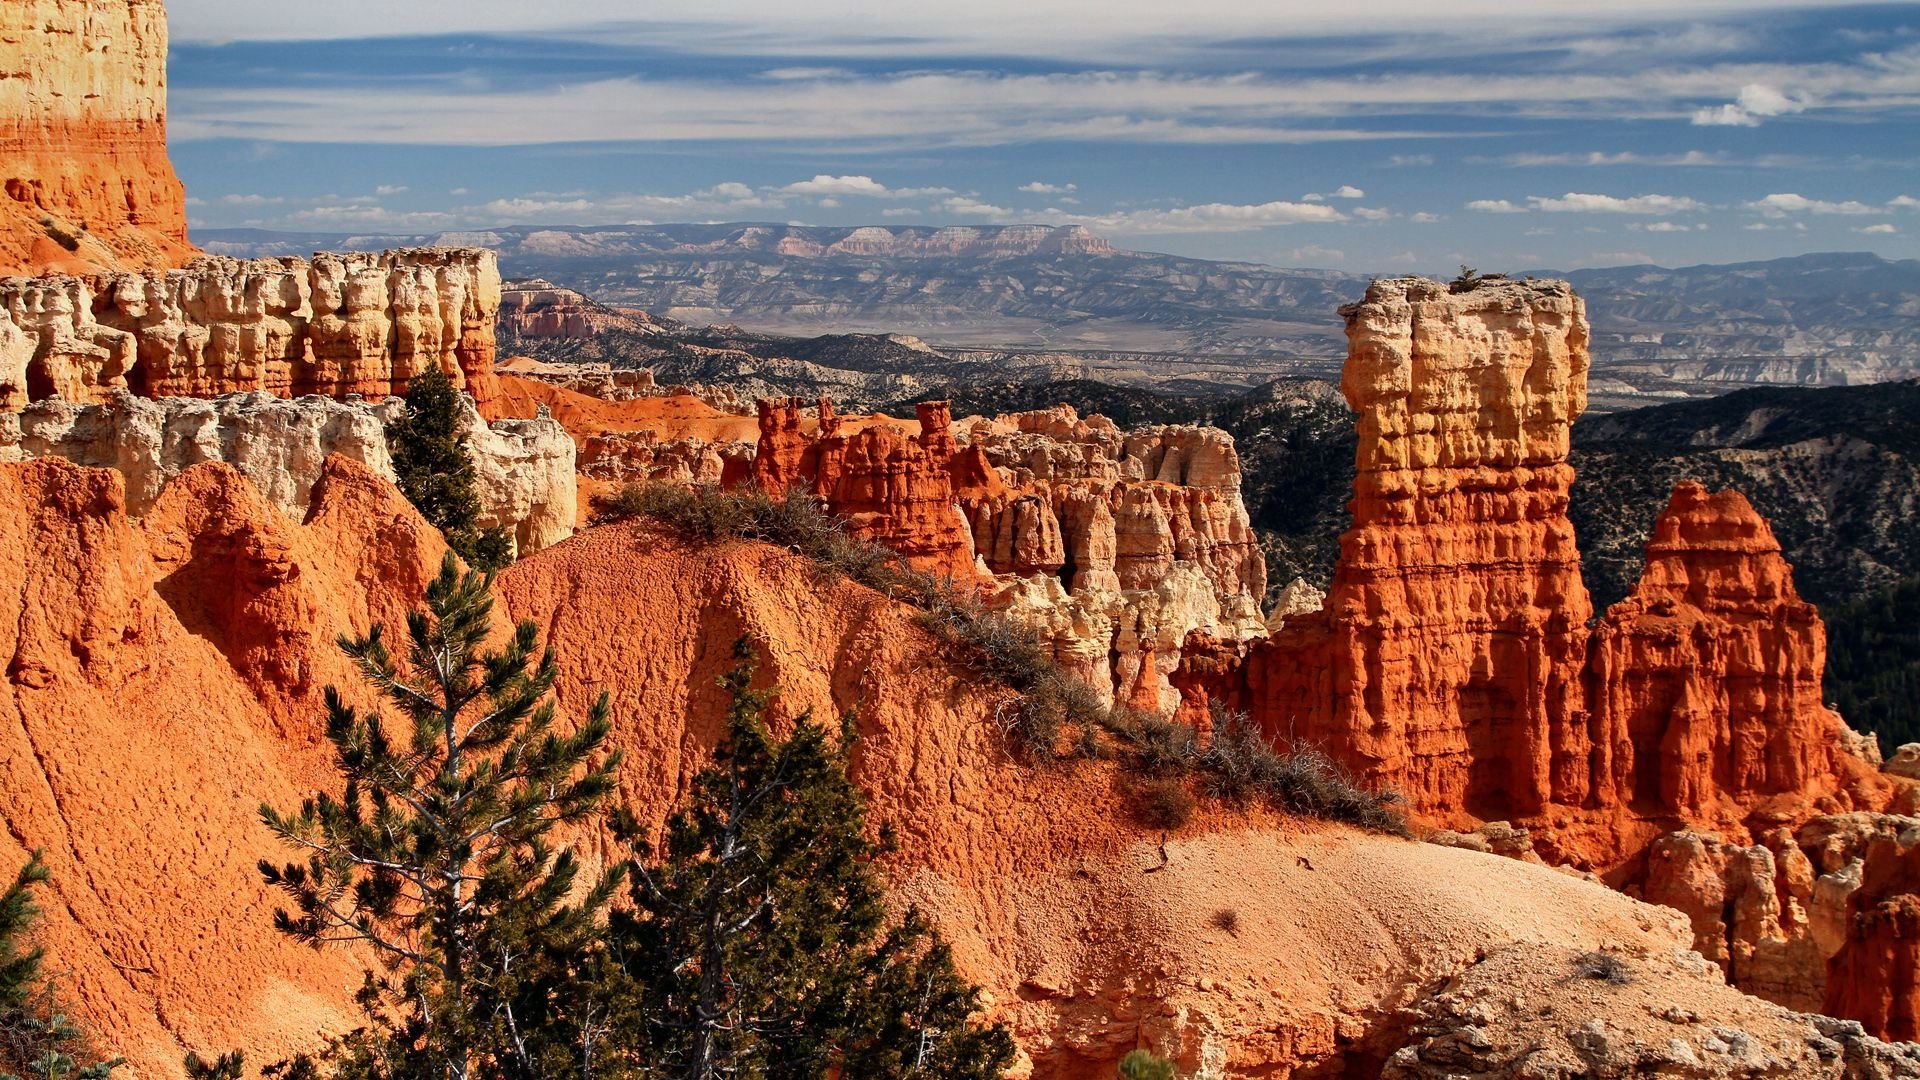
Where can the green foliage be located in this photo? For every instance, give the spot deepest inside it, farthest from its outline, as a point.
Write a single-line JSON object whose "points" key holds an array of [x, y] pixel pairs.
{"points": [[19, 962], [1142, 1065], [758, 940], [1241, 764], [227, 1066], [435, 472], [37, 1040], [1873, 663], [66, 237], [436, 853], [1471, 279]]}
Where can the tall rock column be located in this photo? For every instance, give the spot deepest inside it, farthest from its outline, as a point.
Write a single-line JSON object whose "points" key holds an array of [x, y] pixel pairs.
{"points": [[1447, 661], [84, 178]]}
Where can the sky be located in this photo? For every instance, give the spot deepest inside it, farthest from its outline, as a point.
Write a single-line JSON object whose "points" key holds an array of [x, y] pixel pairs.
{"points": [[1367, 135]]}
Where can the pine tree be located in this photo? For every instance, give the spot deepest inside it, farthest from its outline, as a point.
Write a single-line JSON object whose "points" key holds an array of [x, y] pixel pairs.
{"points": [[35, 1037], [435, 471], [436, 854], [758, 944]]}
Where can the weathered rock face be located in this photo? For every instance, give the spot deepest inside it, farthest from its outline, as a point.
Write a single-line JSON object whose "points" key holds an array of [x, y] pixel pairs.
{"points": [[1447, 662], [524, 469], [1706, 681], [892, 488], [1116, 544], [83, 142], [1171, 493], [1874, 975], [338, 324], [538, 310]]}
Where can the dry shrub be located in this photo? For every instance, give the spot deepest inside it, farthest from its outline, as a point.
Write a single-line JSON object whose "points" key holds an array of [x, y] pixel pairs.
{"points": [[1163, 803], [1225, 919], [1603, 966], [1241, 765]]}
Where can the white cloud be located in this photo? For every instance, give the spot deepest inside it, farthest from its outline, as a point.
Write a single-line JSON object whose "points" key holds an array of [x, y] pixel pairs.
{"points": [[389, 189], [1755, 102], [1316, 253], [1782, 204], [969, 107], [1905, 202], [1425, 218], [252, 200], [1625, 157], [1574, 202], [1403, 161], [1040, 187], [1495, 206], [1344, 191], [844, 186], [459, 191], [1664, 227], [1882, 229], [1371, 213]]}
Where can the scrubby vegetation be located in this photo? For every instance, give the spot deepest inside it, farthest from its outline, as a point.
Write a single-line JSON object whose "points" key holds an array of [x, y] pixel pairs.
{"points": [[37, 1040], [1054, 715], [63, 235], [1603, 967], [1143, 1065]]}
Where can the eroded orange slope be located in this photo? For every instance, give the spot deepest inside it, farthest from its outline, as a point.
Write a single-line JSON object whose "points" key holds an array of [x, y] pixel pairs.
{"points": [[162, 679]]}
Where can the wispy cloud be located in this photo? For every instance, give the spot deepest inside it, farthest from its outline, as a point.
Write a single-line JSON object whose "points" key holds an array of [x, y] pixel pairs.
{"points": [[1575, 202]]}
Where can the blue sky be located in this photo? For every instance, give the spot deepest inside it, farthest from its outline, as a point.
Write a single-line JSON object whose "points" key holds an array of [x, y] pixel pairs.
{"points": [[1372, 135]]}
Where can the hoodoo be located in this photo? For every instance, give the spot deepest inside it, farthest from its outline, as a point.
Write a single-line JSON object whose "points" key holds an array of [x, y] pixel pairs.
{"points": [[1446, 662], [83, 139]]}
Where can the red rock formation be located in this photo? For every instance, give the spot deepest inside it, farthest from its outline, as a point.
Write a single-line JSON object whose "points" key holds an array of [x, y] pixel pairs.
{"points": [[538, 310], [336, 325], [83, 143], [891, 488], [1875, 977], [1706, 681], [1447, 662]]}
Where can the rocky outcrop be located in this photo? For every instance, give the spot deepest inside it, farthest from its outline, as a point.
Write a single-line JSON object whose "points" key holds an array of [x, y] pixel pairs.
{"points": [[1874, 975], [1447, 662], [634, 457], [1706, 681], [83, 138], [524, 469], [538, 310], [891, 488], [336, 324]]}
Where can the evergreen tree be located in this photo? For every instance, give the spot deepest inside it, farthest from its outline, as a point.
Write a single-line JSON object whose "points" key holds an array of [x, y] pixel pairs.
{"points": [[35, 1037], [436, 854], [436, 473], [758, 944]]}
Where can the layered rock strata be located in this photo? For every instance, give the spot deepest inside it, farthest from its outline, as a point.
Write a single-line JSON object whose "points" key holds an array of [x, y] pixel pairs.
{"points": [[524, 469], [1447, 660], [336, 325], [892, 488], [84, 177]]}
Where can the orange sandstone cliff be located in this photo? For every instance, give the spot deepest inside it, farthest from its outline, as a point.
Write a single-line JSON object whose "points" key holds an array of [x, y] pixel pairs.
{"points": [[83, 138]]}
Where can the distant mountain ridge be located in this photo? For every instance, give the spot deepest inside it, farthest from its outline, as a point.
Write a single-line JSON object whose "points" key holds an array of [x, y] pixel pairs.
{"points": [[1810, 320]]}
